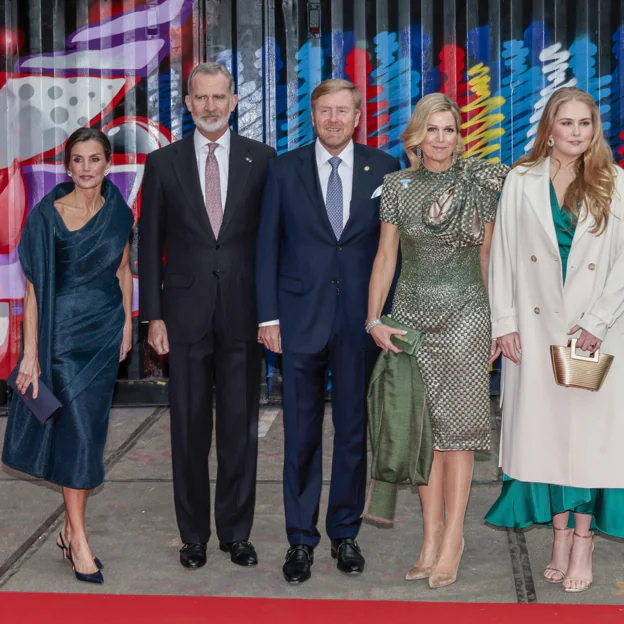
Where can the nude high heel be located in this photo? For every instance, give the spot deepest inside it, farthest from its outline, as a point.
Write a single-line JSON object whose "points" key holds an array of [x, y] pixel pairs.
{"points": [[418, 572], [439, 579]]}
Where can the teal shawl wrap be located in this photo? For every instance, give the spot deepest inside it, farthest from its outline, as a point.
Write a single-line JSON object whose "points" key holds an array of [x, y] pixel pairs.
{"points": [[80, 320]]}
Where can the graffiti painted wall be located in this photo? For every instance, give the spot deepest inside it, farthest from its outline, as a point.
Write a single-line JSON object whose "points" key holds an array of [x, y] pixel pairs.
{"points": [[121, 65]]}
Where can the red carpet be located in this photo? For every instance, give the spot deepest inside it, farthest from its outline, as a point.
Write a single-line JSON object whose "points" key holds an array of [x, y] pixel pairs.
{"points": [[26, 608]]}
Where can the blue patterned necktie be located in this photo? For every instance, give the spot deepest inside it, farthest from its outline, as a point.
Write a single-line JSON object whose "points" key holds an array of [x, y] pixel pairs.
{"points": [[333, 202]]}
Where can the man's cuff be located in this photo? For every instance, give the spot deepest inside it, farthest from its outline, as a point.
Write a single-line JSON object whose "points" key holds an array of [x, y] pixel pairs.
{"points": [[268, 323]]}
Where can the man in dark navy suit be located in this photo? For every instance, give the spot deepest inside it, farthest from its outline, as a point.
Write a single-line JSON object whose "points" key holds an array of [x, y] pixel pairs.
{"points": [[318, 236]]}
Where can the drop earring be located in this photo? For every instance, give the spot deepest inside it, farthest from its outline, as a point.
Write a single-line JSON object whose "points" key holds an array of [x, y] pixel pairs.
{"points": [[107, 172], [419, 153], [69, 173], [551, 141]]}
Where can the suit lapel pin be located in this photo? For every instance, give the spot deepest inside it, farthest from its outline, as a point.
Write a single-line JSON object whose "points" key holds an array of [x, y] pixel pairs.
{"points": [[405, 183], [367, 168], [248, 159]]}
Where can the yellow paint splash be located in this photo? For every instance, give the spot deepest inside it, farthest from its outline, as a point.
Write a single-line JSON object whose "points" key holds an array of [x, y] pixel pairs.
{"points": [[480, 133]]}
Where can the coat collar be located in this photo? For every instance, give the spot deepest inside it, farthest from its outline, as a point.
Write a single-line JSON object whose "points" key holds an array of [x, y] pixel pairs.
{"points": [[185, 167], [537, 190], [360, 189], [240, 164], [308, 172]]}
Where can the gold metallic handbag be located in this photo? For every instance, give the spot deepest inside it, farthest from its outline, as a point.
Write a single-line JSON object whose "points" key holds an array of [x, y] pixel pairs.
{"points": [[579, 371]]}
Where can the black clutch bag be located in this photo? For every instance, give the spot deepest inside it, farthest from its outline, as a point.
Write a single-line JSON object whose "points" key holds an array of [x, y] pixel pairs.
{"points": [[44, 406]]}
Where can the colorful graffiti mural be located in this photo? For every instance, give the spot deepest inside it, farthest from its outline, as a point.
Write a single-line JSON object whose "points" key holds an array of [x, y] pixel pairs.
{"points": [[121, 65]]}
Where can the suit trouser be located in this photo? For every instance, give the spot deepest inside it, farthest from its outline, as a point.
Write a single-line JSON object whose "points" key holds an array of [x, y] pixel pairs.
{"points": [[234, 366], [304, 382]]}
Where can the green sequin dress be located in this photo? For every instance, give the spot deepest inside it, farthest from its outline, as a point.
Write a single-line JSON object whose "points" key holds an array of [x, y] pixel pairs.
{"points": [[522, 503], [441, 217]]}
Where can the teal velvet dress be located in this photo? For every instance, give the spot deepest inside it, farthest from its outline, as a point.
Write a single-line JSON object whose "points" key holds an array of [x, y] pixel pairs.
{"points": [[521, 503], [80, 326]]}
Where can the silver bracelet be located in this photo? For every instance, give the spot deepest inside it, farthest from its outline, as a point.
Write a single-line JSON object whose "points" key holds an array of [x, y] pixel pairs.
{"points": [[372, 324]]}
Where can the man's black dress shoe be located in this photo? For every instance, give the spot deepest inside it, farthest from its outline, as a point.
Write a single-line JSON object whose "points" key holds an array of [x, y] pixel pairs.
{"points": [[349, 555], [299, 558], [193, 555], [242, 553]]}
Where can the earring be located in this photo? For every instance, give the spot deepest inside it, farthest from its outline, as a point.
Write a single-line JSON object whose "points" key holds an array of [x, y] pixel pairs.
{"points": [[107, 172], [551, 141], [69, 173], [419, 153]]}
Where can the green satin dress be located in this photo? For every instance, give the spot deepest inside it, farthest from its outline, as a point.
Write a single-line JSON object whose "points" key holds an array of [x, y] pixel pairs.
{"points": [[521, 503]]}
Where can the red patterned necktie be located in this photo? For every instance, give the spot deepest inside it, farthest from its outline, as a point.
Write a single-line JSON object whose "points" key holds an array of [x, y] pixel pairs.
{"points": [[213, 190]]}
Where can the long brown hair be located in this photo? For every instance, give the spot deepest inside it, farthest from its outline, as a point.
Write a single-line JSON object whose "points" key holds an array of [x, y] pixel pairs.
{"points": [[594, 183], [416, 129]]}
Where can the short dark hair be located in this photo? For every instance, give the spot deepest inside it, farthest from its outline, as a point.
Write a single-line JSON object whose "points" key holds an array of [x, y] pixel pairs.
{"points": [[87, 134]]}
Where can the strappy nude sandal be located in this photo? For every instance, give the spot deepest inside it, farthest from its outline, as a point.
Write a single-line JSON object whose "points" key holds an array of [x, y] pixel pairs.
{"points": [[586, 583], [557, 580]]}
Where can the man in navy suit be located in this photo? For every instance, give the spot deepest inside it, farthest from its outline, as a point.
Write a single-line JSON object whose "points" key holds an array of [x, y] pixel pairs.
{"points": [[318, 236]]}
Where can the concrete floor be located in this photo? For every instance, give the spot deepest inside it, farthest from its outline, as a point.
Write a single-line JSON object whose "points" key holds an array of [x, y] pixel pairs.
{"points": [[132, 529]]}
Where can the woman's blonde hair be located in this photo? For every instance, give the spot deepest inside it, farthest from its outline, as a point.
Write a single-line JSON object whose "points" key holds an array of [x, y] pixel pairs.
{"points": [[594, 183], [416, 129]]}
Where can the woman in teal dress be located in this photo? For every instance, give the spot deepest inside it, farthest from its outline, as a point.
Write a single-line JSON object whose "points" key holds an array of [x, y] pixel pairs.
{"points": [[560, 446], [77, 321]]}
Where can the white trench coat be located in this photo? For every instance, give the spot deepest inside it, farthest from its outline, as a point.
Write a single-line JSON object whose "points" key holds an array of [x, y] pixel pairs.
{"points": [[552, 434]]}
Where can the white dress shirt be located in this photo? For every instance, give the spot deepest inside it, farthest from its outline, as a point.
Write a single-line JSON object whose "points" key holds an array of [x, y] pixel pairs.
{"points": [[222, 154], [345, 171]]}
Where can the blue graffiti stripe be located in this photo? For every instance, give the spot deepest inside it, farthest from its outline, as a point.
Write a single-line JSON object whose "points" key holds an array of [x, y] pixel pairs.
{"points": [[616, 113], [583, 66], [479, 44], [517, 87], [400, 87], [298, 128]]}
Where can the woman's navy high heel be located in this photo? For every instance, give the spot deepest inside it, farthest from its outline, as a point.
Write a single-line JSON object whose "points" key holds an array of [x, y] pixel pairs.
{"points": [[94, 577], [63, 547]]}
